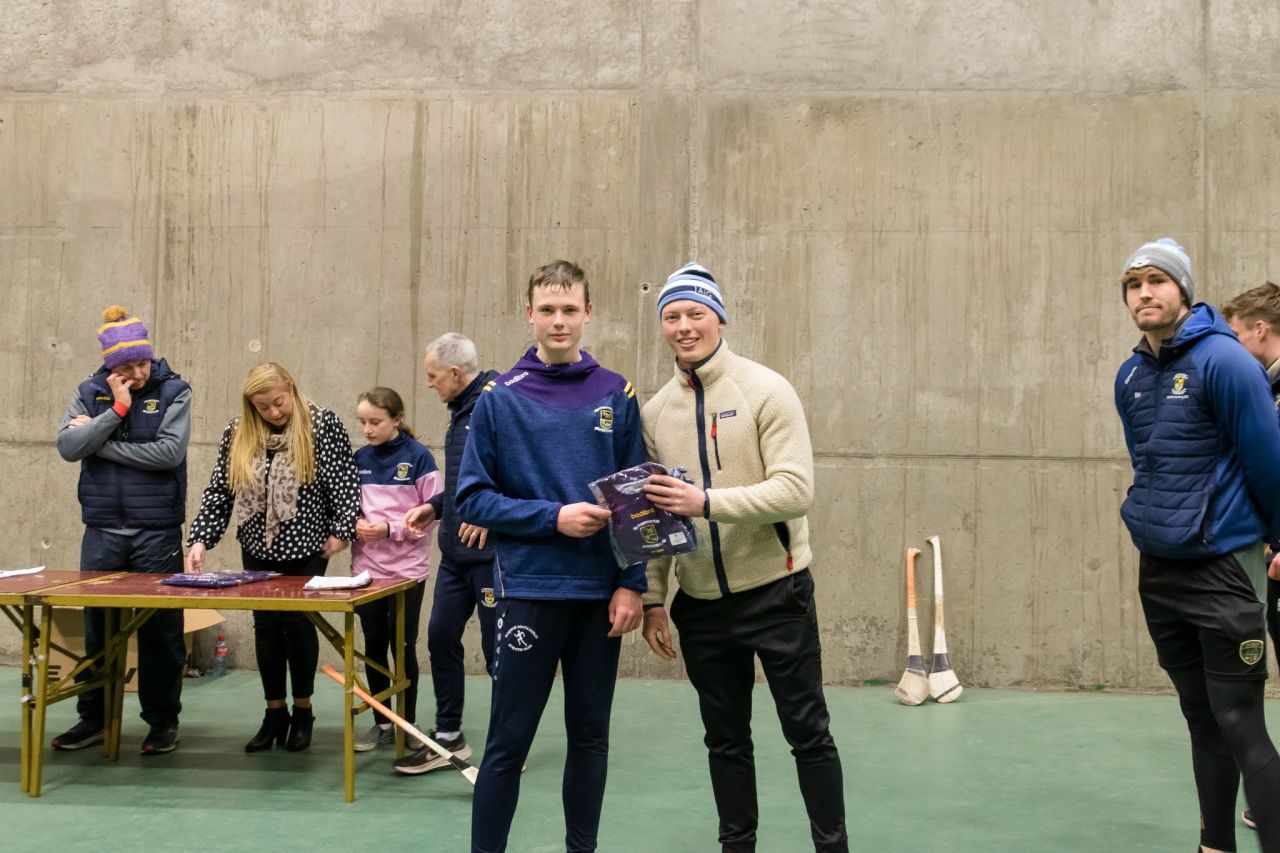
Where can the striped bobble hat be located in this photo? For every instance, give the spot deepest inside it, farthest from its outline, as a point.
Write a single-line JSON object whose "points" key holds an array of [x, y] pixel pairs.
{"points": [[1165, 254], [123, 338], [692, 281]]}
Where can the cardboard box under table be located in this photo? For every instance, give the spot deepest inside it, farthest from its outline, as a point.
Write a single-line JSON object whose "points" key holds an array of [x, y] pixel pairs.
{"points": [[130, 600], [16, 604], [67, 646]]}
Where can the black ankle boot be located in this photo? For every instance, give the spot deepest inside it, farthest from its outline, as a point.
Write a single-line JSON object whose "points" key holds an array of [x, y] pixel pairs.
{"points": [[300, 729], [275, 728]]}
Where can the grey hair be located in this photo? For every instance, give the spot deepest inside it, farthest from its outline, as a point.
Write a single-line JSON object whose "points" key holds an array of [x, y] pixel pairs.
{"points": [[454, 350]]}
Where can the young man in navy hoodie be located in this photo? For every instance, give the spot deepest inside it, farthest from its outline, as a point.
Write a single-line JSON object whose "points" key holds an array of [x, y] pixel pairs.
{"points": [[539, 434], [1202, 433]]}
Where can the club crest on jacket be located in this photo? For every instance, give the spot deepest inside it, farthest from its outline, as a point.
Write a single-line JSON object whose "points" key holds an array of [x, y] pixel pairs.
{"points": [[604, 419]]}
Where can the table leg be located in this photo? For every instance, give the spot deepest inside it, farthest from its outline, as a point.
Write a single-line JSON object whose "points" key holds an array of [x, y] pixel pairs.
{"points": [[400, 655], [28, 698], [110, 683], [121, 672], [41, 699], [348, 719]]}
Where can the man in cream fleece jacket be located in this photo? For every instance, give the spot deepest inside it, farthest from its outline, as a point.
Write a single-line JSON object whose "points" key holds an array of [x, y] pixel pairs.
{"points": [[747, 591]]}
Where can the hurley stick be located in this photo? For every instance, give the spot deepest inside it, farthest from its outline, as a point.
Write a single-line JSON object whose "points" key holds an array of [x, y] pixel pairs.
{"points": [[468, 770], [913, 687], [943, 685]]}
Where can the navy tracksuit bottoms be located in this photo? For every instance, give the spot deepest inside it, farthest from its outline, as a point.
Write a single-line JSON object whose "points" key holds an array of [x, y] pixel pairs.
{"points": [[533, 637]]}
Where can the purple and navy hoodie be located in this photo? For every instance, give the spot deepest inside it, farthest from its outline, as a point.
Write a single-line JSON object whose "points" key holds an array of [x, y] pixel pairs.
{"points": [[395, 476], [539, 434]]}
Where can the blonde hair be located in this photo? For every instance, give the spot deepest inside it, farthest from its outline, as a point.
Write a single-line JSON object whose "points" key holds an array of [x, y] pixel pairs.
{"points": [[251, 433]]}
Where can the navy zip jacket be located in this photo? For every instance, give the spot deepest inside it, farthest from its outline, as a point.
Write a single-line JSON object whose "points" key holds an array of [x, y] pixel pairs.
{"points": [[1203, 436], [116, 496], [539, 434], [452, 551]]}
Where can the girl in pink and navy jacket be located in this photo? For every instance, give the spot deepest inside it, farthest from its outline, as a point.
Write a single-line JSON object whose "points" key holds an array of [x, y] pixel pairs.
{"points": [[397, 473]]}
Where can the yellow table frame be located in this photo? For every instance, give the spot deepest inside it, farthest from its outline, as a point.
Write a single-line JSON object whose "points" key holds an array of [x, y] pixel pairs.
{"points": [[19, 610], [125, 613]]}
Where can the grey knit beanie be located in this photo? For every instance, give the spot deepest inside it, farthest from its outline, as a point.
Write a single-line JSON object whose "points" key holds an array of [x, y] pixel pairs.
{"points": [[1164, 254]]}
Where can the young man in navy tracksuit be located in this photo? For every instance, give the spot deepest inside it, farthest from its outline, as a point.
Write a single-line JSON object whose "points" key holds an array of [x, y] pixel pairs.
{"points": [[539, 434], [1202, 434]]}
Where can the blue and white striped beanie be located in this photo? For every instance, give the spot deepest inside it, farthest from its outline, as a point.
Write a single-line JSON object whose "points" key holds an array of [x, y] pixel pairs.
{"points": [[692, 281], [1164, 254]]}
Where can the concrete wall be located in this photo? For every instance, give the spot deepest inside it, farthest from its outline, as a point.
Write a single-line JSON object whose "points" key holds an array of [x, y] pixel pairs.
{"points": [[917, 211]]}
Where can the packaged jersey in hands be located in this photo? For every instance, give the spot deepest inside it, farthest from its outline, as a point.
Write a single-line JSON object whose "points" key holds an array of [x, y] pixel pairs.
{"points": [[638, 530]]}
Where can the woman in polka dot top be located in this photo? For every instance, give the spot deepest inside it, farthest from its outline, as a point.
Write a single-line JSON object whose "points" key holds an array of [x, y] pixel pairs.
{"points": [[285, 468]]}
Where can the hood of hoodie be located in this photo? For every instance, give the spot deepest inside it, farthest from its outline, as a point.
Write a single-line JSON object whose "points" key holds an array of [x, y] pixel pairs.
{"points": [[566, 386], [1201, 322]]}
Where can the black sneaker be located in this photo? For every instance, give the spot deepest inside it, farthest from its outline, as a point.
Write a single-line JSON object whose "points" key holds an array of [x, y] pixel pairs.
{"points": [[83, 733], [427, 761], [1247, 817], [160, 739]]}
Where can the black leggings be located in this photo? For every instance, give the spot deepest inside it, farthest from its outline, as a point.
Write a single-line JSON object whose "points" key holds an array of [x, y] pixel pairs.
{"points": [[1229, 741], [286, 641], [378, 620]]}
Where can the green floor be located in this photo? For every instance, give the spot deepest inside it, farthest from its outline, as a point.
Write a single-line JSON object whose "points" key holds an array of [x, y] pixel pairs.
{"points": [[999, 770]]}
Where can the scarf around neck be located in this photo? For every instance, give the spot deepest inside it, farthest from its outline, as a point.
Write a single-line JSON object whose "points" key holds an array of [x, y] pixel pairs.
{"points": [[274, 490]]}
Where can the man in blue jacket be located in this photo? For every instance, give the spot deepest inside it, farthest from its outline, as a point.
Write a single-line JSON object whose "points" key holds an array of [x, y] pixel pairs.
{"points": [[1203, 437], [1255, 318], [539, 434], [464, 578], [128, 426]]}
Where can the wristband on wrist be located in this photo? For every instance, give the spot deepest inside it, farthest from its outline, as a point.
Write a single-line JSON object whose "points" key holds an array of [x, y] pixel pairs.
{"points": [[120, 409]]}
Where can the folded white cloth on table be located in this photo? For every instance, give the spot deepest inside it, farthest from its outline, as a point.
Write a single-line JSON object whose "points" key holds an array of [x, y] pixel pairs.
{"points": [[338, 582]]}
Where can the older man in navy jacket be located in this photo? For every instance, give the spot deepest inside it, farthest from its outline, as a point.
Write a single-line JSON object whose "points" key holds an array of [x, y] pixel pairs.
{"points": [[464, 579], [1201, 429], [128, 426]]}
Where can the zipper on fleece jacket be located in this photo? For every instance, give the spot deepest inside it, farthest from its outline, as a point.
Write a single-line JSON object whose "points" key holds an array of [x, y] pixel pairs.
{"points": [[699, 415], [715, 442]]}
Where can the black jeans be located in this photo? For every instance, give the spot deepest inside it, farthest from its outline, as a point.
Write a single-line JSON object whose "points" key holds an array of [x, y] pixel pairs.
{"points": [[285, 641], [720, 640], [378, 621], [161, 652]]}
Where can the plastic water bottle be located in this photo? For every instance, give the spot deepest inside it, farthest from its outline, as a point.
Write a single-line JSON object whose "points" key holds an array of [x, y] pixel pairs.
{"points": [[220, 657]]}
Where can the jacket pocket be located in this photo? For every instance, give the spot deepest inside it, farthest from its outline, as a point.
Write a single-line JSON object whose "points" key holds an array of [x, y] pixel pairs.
{"points": [[1204, 520]]}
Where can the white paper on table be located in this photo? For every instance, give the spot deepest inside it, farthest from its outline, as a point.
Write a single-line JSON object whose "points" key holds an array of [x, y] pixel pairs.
{"points": [[338, 582], [13, 573]]}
